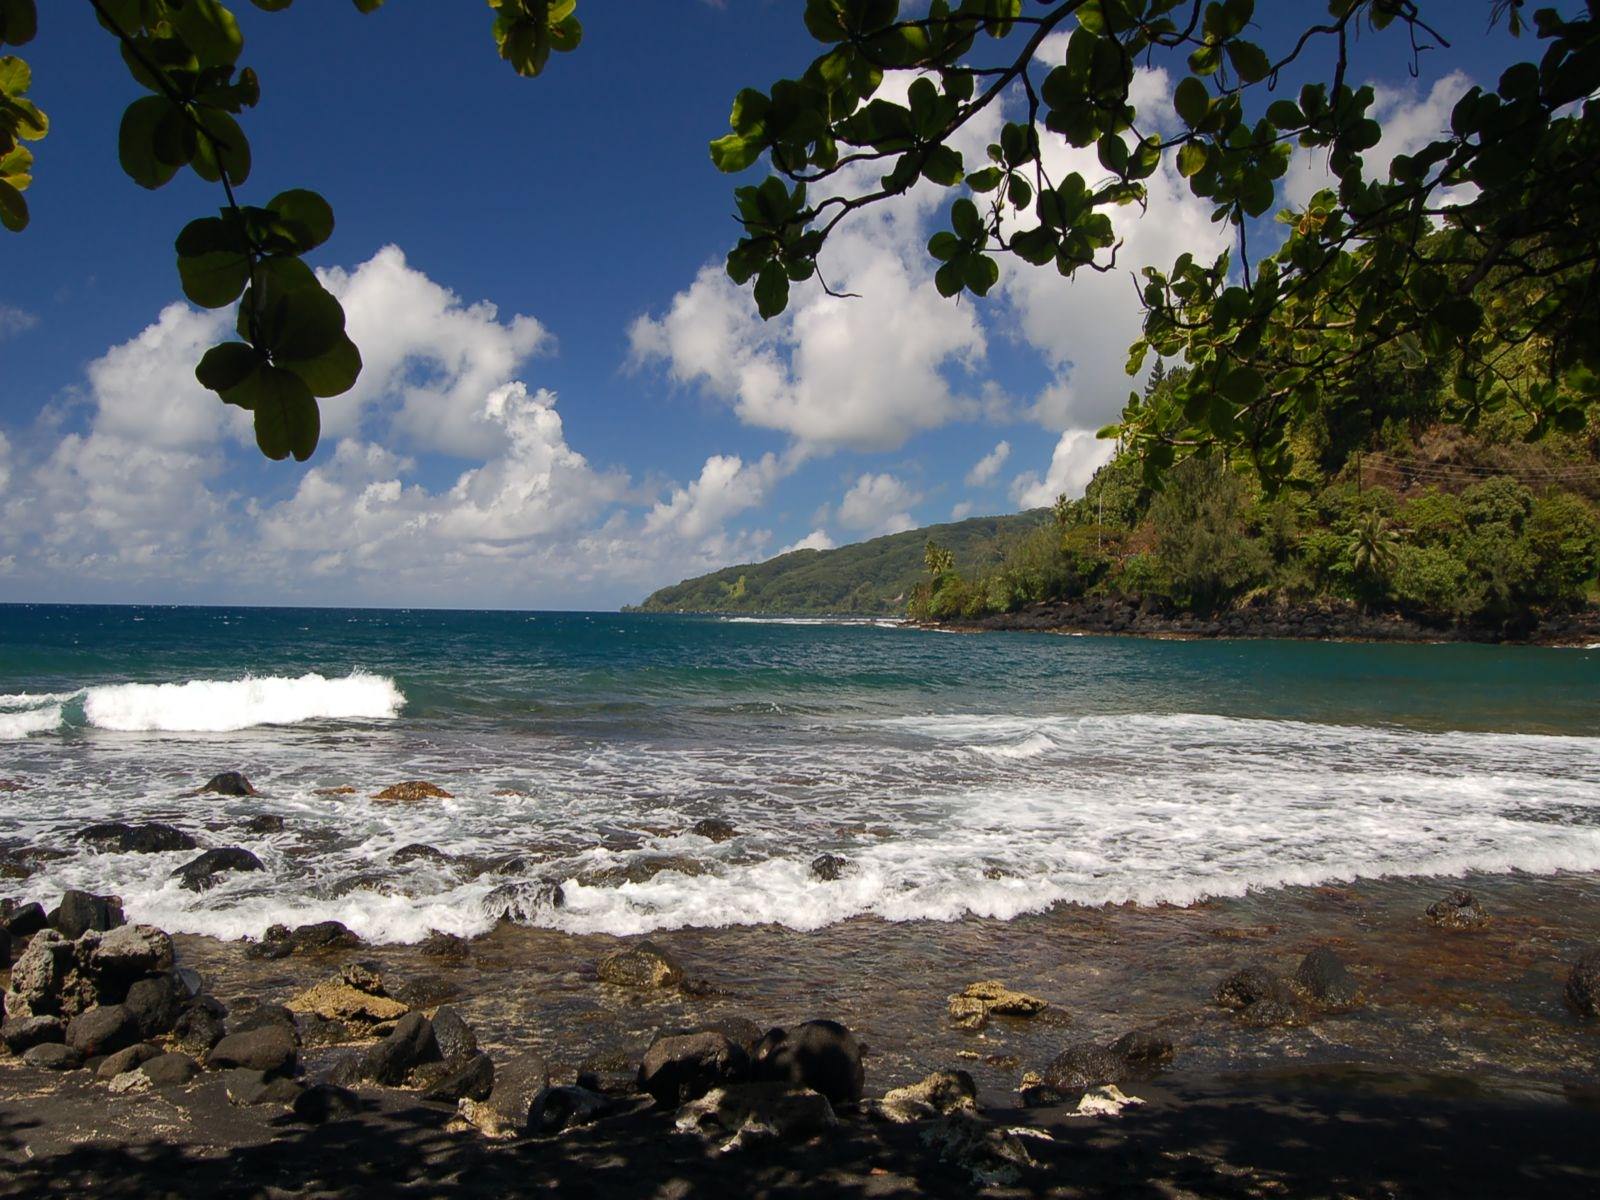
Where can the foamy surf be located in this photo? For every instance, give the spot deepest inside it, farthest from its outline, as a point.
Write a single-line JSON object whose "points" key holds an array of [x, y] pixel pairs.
{"points": [[203, 705]]}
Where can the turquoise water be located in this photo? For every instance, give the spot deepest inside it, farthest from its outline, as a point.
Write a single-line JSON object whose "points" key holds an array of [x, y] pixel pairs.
{"points": [[991, 774]]}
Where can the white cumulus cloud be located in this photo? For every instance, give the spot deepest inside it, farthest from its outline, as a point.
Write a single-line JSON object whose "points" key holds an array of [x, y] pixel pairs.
{"points": [[877, 504], [1077, 456], [987, 467]]}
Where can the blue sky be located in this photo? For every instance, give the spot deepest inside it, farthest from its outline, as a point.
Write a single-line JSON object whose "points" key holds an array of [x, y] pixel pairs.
{"points": [[565, 405]]}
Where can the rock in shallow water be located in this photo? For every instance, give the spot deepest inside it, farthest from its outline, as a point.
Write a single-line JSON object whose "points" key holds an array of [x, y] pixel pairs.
{"points": [[972, 1007], [1324, 976], [642, 965], [122, 838], [408, 1047], [1583, 986], [229, 783], [714, 829], [829, 867], [200, 874], [413, 790], [940, 1094], [1459, 910]]}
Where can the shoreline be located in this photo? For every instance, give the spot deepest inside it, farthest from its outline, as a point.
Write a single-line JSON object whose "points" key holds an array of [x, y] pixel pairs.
{"points": [[1467, 1027], [1119, 616]]}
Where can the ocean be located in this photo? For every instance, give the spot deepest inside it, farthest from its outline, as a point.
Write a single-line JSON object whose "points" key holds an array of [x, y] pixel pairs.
{"points": [[984, 776]]}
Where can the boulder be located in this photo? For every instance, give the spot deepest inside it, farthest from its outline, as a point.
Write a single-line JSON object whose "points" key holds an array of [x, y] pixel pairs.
{"points": [[444, 945], [508, 1111], [322, 937], [229, 783], [454, 1036], [169, 1070], [247, 1088], [25, 920], [456, 1079], [128, 953], [104, 1029], [677, 1069], [990, 1157], [748, 1114], [125, 1060], [53, 1056], [973, 1006], [560, 1108], [417, 852], [714, 829], [1083, 1065], [269, 1050], [264, 824], [409, 1046], [939, 1094], [21, 1034], [641, 965], [155, 1004], [43, 976], [1260, 998], [413, 790], [357, 1011], [1146, 1053], [523, 902], [613, 1072], [1325, 978], [829, 867], [79, 912], [200, 874], [324, 1102], [1458, 910], [246, 1017], [200, 1026], [1583, 986], [821, 1055], [121, 838]]}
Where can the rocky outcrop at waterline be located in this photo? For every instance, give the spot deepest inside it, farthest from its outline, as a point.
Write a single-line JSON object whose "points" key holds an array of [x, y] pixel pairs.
{"points": [[1323, 620]]}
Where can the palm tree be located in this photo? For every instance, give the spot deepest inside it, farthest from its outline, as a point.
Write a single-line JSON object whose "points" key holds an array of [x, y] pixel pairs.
{"points": [[937, 559], [1373, 546]]}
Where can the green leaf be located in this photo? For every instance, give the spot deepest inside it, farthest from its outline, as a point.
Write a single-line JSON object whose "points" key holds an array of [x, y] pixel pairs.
{"points": [[19, 21], [222, 147], [733, 152], [772, 290], [331, 373], [214, 279], [985, 180], [307, 215], [1192, 158], [944, 166], [209, 31], [1192, 101], [948, 279], [303, 324], [1242, 385], [13, 208], [964, 217], [227, 365], [15, 76], [1249, 60], [287, 419], [136, 141], [980, 273]]}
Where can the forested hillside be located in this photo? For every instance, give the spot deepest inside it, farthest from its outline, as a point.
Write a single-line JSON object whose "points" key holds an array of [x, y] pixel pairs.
{"points": [[870, 578]]}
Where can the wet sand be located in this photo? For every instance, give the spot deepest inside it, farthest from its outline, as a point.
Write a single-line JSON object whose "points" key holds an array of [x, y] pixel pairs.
{"points": [[1463, 1073]]}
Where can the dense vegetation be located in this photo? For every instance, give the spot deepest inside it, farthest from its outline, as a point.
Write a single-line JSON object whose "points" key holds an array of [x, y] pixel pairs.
{"points": [[1391, 512], [870, 578]]}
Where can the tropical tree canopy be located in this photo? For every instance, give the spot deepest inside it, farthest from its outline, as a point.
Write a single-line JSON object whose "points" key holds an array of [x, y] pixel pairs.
{"points": [[1481, 250]]}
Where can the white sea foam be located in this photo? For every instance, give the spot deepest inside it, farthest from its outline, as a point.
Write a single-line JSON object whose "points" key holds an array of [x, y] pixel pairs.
{"points": [[20, 724], [218, 706], [939, 816]]}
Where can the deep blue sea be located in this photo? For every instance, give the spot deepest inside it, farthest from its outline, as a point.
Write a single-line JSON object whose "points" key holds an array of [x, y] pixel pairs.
{"points": [[990, 775]]}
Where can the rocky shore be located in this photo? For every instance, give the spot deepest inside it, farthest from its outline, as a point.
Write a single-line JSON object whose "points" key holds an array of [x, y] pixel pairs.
{"points": [[1327, 1041], [1324, 620]]}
